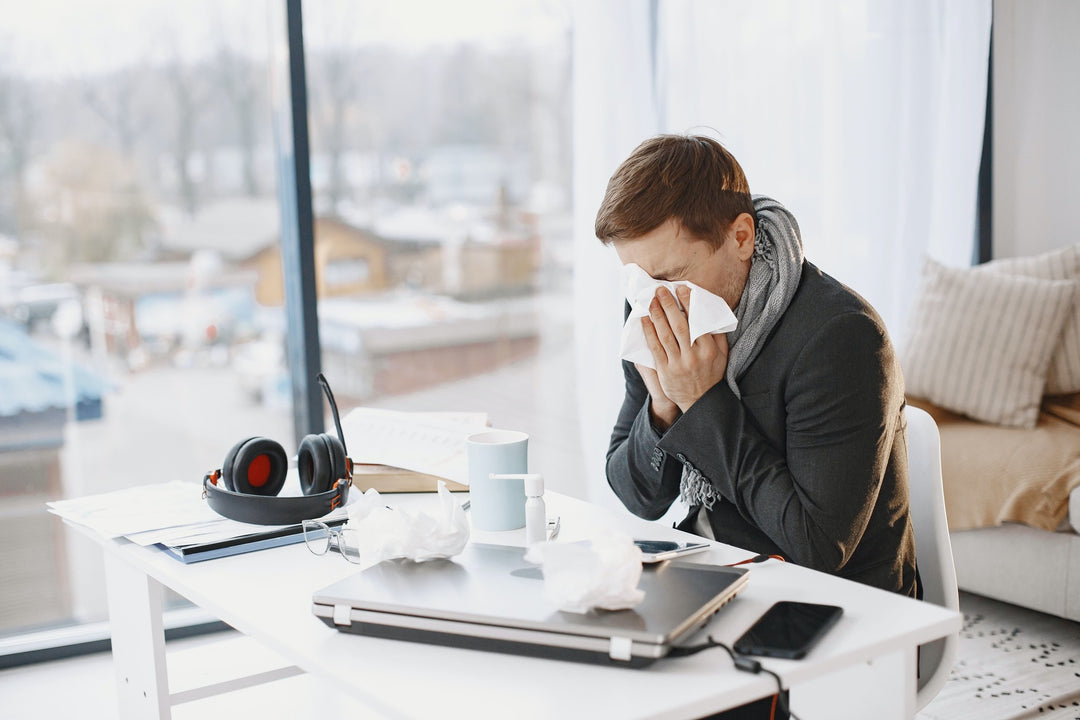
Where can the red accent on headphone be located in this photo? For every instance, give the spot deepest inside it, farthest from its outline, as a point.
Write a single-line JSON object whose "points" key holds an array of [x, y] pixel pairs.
{"points": [[258, 471]]}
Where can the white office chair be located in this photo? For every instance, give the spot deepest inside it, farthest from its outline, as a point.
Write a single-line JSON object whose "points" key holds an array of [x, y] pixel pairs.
{"points": [[932, 547]]}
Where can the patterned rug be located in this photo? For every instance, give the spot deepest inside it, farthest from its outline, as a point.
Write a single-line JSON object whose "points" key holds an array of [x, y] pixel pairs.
{"points": [[1012, 664]]}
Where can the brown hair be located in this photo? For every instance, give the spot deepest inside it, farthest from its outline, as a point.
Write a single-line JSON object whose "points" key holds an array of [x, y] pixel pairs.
{"points": [[687, 177]]}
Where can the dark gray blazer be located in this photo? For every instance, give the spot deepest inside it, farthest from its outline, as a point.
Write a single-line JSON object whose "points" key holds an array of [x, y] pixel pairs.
{"points": [[811, 462]]}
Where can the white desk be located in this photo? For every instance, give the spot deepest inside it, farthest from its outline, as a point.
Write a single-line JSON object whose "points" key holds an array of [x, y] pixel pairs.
{"points": [[864, 667]]}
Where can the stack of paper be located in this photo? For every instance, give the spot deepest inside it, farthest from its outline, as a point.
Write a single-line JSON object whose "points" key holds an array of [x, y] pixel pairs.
{"points": [[432, 443], [139, 509], [175, 516]]}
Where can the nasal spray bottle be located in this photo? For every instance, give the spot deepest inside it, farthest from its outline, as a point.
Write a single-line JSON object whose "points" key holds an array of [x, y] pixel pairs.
{"points": [[535, 509]]}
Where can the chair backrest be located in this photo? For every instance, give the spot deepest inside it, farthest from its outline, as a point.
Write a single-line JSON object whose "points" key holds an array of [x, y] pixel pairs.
{"points": [[932, 546]]}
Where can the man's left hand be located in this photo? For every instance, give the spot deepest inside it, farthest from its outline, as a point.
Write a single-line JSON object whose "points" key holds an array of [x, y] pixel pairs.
{"points": [[686, 369]]}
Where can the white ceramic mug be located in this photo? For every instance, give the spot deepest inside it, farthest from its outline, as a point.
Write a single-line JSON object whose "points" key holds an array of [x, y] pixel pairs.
{"points": [[497, 504]]}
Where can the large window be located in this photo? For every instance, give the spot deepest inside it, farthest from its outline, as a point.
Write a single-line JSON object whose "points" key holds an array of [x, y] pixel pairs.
{"points": [[440, 168], [142, 329]]}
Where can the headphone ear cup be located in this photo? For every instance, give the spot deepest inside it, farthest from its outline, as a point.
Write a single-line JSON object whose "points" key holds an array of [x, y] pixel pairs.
{"points": [[314, 464], [337, 454], [260, 467], [227, 466]]}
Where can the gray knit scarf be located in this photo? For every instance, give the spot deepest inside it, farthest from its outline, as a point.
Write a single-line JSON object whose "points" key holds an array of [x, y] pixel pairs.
{"points": [[775, 270]]}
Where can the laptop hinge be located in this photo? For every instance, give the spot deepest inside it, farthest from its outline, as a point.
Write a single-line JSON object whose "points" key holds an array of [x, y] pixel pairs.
{"points": [[343, 615], [620, 648]]}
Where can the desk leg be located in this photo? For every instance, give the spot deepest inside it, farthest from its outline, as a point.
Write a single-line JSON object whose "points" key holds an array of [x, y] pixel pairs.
{"points": [[883, 689], [138, 641]]}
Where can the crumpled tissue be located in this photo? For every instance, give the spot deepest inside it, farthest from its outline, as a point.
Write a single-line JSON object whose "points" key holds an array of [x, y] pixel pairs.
{"points": [[382, 533], [600, 573], [708, 313]]}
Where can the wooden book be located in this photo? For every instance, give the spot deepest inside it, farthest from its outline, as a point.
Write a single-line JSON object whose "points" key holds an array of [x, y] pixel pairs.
{"points": [[387, 479]]}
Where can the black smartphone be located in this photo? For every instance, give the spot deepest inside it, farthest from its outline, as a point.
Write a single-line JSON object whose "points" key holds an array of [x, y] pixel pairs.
{"points": [[788, 630]]}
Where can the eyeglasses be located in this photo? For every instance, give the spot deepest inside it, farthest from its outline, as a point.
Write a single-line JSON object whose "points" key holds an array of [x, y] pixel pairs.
{"points": [[320, 538]]}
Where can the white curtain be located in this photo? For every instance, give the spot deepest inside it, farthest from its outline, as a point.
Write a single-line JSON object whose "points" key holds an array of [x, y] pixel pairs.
{"points": [[1036, 115], [864, 118], [614, 110]]}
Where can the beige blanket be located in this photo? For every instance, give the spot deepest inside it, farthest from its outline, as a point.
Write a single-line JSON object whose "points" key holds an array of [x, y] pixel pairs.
{"points": [[996, 474]]}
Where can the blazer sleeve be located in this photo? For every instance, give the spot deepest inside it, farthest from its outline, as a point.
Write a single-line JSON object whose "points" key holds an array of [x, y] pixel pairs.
{"points": [[640, 473], [815, 496]]}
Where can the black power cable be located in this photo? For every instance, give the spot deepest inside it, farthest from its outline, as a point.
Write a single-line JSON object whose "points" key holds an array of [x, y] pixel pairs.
{"points": [[745, 663]]}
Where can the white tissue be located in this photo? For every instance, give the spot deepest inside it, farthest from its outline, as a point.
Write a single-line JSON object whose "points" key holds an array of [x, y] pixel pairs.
{"points": [[383, 533], [708, 313], [600, 573]]}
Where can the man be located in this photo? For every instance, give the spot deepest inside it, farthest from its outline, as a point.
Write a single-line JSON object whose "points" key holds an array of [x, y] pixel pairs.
{"points": [[785, 436]]}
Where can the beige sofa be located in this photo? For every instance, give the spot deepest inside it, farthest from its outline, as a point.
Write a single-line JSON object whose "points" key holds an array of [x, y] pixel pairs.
{"points": [[1013, 501]]}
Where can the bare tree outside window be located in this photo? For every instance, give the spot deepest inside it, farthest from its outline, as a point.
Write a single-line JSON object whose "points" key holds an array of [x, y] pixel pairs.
{"points": [[18, 143]]}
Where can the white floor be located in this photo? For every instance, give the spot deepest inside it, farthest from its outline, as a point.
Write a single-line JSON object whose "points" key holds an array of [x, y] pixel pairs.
{"points": [[85, 687]]}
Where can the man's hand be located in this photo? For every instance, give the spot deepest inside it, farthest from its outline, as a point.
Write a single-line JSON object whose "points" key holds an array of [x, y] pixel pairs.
{"points": [[684, 370], [664, 412]]}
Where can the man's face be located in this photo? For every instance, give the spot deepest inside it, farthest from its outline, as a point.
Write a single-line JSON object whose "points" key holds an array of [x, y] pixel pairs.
{"points": [[670, 253]]}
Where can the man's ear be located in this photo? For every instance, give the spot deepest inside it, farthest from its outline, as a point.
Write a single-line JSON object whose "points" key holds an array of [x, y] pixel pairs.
{"points": [[742, 230]]}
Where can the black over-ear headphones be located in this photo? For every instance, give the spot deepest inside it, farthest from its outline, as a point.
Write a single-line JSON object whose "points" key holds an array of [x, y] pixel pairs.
{"points": [[254, 472]]}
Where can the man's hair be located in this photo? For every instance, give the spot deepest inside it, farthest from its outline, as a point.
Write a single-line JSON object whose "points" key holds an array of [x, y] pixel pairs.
{"points": [[687, 177]]}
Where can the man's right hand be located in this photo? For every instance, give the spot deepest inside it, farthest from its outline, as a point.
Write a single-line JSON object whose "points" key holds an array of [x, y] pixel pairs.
{"points": [[664, 412]]}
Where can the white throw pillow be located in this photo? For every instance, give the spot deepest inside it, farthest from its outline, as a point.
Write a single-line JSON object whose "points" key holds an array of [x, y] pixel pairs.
{"points": [[979, 343], [1063, 376]]}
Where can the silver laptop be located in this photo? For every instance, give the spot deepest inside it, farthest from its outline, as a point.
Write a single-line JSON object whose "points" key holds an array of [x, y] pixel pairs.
{"points": [[490, 598]]}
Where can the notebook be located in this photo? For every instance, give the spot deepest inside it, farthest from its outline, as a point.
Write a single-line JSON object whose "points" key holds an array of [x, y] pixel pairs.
{"points": [[275, 536], [490, 598]]}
